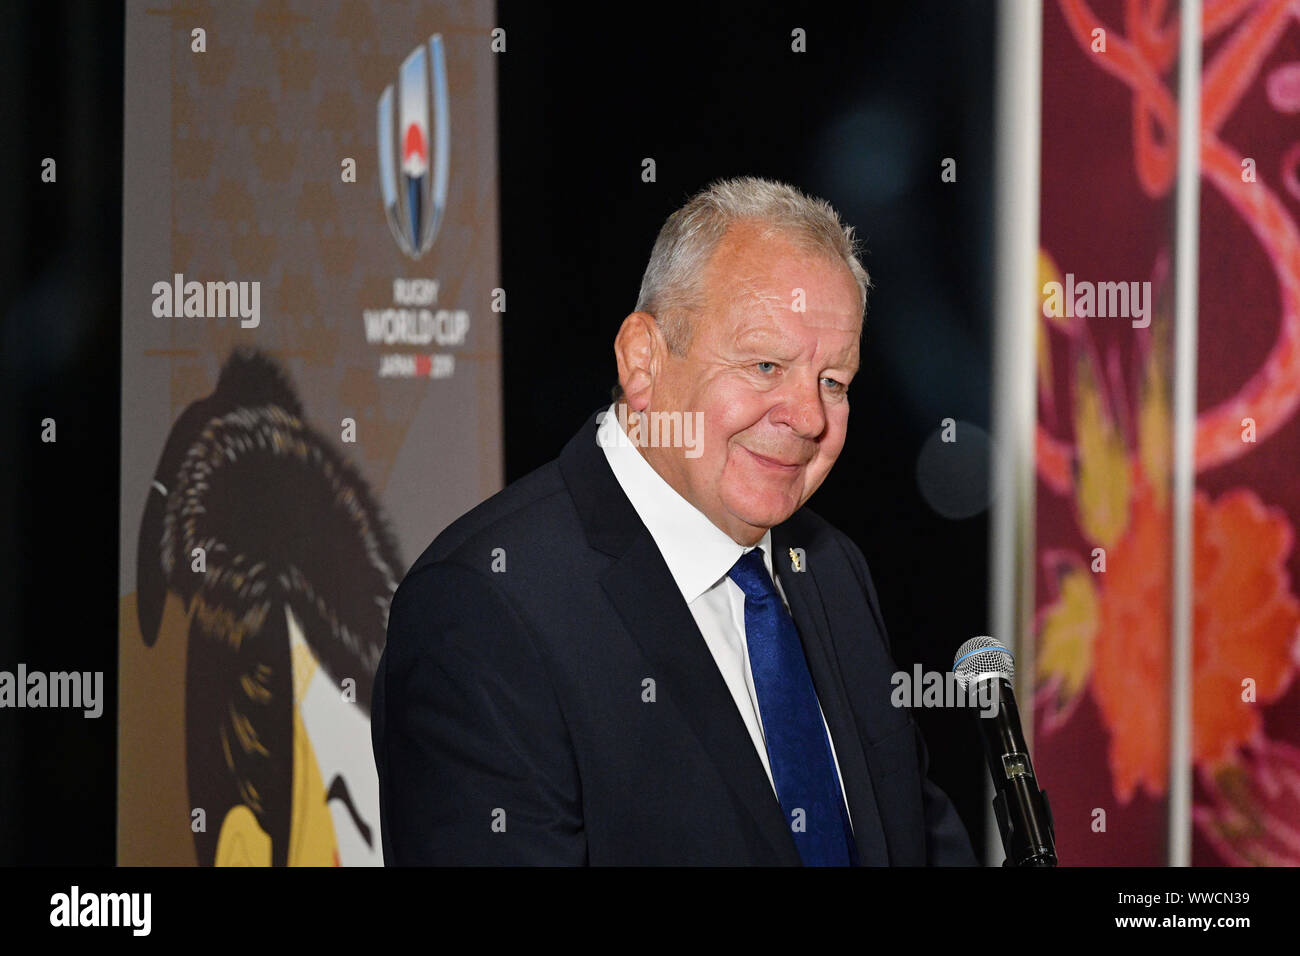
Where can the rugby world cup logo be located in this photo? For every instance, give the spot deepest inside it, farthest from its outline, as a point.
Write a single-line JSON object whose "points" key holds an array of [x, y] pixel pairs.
{"points": [[412, 162]]}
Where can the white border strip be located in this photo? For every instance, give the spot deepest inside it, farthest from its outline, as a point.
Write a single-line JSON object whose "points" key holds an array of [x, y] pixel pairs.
{"points": [[1017, 129], [1186, 239]]}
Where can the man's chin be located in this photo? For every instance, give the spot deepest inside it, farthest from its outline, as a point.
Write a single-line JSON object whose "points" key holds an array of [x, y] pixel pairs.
{"points": [[764, 517]]}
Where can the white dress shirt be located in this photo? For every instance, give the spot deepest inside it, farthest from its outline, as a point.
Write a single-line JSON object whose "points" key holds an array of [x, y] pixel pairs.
{"points": [[699, 554]]}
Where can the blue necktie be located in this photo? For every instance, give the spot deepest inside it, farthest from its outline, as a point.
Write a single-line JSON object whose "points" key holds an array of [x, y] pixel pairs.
{"points": [[798, 749]]}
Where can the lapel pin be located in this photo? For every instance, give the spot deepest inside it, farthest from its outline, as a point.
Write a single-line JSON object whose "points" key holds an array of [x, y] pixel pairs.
{"points": [[795, 563]]}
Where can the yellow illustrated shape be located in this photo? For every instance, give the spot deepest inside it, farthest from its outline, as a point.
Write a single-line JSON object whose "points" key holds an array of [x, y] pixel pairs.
{"points": [[1155, 422], [1068, 630], [1102, 480], [312, 841]]}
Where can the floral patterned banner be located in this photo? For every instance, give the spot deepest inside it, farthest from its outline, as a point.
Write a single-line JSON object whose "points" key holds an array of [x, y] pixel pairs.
{"points": [[1246, 702], [1104, 443]]}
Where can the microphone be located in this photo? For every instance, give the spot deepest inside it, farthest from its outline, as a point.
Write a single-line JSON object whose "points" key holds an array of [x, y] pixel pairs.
{"points": [[1023, 813]]}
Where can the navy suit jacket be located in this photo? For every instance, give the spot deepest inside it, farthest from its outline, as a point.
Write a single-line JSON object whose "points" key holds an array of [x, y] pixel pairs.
{"points": [[513, 723]]}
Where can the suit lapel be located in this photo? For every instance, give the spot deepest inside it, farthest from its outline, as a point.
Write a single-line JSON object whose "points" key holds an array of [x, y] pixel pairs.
{"points": [[687, 678], [809, 613], [647, 599]]}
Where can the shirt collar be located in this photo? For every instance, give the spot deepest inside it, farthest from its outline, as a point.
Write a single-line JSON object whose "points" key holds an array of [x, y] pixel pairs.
{"points": [[698, 553]]}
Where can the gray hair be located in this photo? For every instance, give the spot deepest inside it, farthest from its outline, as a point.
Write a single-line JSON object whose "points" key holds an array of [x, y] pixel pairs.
{"points": [[670, 288]]}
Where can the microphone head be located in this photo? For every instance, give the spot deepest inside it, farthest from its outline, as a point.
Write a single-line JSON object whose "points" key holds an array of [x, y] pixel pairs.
{"points": [[983, 658]]}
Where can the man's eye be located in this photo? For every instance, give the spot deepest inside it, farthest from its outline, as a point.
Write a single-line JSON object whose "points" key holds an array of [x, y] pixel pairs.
{"points": [[760, 365], [834, 384]]}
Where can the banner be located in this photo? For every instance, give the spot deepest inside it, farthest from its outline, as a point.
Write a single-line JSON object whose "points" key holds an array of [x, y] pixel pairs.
{"points": [[1245, 697], [310, 392], [1104, 441]]}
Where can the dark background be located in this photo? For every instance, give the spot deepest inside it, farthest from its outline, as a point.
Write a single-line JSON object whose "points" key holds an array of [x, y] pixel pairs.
{"points": [[863, 119]]}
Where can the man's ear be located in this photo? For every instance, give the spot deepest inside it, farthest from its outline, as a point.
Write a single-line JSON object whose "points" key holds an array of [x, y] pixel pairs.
{"points": [[638, 348]]}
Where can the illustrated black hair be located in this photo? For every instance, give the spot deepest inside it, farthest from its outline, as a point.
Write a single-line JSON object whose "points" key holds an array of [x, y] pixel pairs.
{"points": [[284, 521]]}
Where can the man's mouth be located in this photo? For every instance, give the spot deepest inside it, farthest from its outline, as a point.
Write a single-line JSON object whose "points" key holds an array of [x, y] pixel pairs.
{"points": [[775, 463]]}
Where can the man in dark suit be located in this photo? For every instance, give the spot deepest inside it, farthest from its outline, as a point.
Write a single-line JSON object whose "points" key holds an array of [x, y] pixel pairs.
{"points": [[648, 651]]}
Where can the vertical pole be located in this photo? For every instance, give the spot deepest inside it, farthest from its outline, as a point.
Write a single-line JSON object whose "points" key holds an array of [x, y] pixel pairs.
{"points": [[1186, 253], [1016, 327]]}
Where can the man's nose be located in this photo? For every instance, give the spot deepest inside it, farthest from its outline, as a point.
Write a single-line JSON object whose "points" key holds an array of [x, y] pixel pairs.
{"points": [[801, 407]]}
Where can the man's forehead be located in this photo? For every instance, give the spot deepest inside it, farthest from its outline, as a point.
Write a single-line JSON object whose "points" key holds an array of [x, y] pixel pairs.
{"points": [[764, 306], [766, 330], [768, 296], [752, 269]]}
